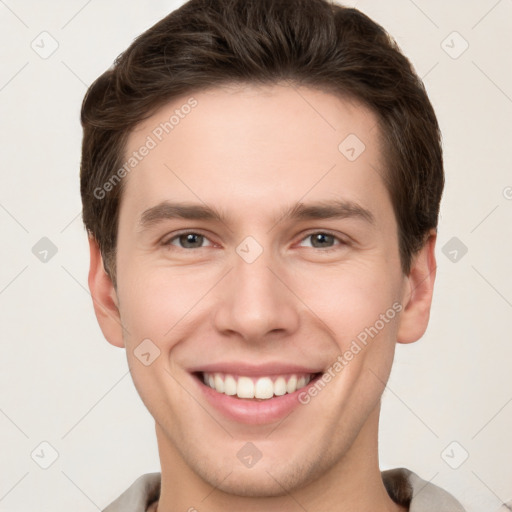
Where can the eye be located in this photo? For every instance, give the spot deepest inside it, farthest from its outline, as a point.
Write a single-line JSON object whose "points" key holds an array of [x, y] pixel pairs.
{"points": [[188, 240], [322, 240]]}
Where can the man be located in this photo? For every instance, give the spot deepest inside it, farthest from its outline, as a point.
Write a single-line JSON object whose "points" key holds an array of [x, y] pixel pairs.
{"points": [[261, 183]]}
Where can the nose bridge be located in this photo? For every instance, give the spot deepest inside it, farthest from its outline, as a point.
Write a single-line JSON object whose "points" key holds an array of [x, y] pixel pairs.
{"points": [[255, 302], [252, 280]]}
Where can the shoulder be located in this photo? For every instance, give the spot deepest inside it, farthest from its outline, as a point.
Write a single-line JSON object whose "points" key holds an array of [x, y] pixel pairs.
{"points": [[141, 493], [408, 489]]}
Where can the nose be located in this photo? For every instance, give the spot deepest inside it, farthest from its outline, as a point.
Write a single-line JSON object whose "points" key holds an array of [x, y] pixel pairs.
{"points": [[256, 302]]}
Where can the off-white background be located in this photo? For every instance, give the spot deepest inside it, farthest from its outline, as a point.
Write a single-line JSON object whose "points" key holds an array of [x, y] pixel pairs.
{"points": [[61, 382]]}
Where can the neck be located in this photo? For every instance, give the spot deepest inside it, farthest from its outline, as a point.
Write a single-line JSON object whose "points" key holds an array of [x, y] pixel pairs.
{"points": [[352, 483]]}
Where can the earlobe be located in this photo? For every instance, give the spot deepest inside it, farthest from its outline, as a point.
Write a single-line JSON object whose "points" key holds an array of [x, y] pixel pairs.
{"points": [[417, 298], [104, 297]]}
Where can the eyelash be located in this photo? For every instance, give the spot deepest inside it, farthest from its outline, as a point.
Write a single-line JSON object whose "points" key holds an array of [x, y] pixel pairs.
{"points": [[340, 241]]}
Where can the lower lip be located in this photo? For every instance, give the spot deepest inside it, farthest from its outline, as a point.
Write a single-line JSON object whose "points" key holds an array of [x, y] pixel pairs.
{"points": [[253, 412]]}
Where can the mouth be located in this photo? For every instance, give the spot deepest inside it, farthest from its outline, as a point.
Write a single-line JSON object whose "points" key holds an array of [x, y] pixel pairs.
{"points": [[252, 394], [256, 388]]}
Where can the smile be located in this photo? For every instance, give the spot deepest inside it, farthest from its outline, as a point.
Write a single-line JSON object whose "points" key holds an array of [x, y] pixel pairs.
{"points": [[262, 388], [254, 394]]}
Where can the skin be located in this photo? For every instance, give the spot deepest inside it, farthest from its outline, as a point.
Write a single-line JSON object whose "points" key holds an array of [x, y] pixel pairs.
{"points": [[252, 152]]}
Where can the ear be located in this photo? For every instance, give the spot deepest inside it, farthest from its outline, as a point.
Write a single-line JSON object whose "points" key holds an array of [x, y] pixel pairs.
{"points": [[419, 288], [104, 297]]}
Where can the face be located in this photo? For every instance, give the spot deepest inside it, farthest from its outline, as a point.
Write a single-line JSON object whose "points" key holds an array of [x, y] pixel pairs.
{"points": [[258, 259]]}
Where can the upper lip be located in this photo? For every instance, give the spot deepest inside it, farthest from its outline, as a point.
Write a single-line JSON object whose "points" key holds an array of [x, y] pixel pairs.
{"points": [[244, 368]]}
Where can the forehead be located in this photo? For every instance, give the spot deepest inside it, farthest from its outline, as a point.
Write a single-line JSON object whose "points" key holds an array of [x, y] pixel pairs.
{"points": [[261, 145]]}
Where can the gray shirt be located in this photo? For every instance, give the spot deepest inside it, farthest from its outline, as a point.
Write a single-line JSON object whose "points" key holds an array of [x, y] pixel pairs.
{"points": [[405, 488]]}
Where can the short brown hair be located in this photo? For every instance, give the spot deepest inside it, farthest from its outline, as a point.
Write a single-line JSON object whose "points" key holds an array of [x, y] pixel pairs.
{"points": [[315, 43]]}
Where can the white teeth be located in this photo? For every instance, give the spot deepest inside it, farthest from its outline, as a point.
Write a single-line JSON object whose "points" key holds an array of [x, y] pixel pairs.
{"points": [[219, 383], [280, 386], [291, 385], [245, 388], [229, 385], [262, 388]]}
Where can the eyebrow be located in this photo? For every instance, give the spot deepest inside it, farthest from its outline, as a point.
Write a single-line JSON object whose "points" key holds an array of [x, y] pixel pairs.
{"points": [[332, 209]]}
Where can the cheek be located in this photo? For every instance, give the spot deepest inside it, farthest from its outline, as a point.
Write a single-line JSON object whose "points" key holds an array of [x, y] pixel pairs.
{"points": [[157, 309], [350, 298], [155, 302]]}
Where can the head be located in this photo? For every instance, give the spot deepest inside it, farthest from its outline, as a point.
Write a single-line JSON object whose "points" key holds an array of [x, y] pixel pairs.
{"points": [[261, 184]]}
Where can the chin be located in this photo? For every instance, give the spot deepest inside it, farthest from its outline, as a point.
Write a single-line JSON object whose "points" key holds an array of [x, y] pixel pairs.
{"points": [[262, 483], [265, 479], [252, 487]]}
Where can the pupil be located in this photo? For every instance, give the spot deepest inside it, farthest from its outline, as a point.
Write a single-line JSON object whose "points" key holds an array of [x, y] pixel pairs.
{"points": [[191, 240], [321, 239]]}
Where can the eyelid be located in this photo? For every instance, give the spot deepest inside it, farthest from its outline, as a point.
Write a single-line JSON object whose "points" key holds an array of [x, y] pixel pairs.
{"points": [[342, 241], [167, 241]]}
